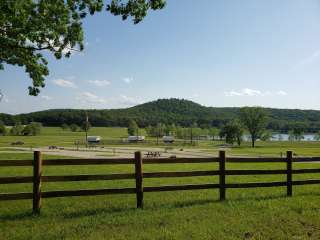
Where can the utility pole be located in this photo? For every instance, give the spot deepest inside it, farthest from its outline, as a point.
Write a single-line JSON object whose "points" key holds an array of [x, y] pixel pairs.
{"points": [[87, 126]]}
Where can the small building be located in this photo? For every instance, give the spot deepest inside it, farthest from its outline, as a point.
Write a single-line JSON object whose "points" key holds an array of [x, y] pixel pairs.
{"points": [[168, 139], [136, 138], [93, 139]]}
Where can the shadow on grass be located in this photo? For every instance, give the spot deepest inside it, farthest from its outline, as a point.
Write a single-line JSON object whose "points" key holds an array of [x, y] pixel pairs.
{"points": [[18, 216], [152, 207]]}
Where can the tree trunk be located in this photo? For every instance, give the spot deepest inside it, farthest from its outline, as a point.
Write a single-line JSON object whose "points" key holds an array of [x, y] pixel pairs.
{"points": [[253, 141]]}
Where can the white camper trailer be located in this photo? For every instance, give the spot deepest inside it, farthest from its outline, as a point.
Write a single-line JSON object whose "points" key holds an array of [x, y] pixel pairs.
{"points": [[93, 139], [136, 138], [168, 139]]}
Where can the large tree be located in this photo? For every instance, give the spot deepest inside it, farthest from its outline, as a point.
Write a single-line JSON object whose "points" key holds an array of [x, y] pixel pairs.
{"points": [[232, 132], [255, 120], [29, 27]]}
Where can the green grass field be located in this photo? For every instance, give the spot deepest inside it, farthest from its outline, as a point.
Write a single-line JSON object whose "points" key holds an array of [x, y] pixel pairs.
{"points": [[261, 213], [246, 214], [57, 136]]}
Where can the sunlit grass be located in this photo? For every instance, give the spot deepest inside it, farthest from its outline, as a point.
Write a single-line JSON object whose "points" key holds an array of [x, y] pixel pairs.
{"points": [[247, 213]]}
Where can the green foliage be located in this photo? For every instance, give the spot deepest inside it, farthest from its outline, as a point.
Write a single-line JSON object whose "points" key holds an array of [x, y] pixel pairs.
{"points": [[296, 132], [32, 129], [133, 128], [65, 126], [74, 127], [266, 136], [317, 136], [232, 132], [3, 130], [28, 28], [255, 120], [85, 126], [182, 113], [17, 129], [214, 132]]}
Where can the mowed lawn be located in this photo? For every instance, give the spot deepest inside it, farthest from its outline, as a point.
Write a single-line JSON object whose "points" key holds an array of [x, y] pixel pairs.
{"points": [[57, 136], [65, 138], [246, 214]]}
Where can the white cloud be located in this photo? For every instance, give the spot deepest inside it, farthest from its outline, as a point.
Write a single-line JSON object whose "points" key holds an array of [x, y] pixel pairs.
{"points": [[247, 92], [4, 98], [243, 92], [100, 83], [128, 80], [282, 93], [46, 97], [90, 97], [128, 100], [64, 83]]}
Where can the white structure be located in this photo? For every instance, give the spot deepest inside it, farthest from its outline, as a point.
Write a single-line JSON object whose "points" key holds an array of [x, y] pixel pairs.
{"points": [[136, 138], [93, 139], [168, 139]]}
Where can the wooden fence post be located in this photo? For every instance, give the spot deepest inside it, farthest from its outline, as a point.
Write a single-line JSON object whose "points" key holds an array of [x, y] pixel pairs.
{"points": [[37, 171], [222, 174], [289, 173], [139, 179]]}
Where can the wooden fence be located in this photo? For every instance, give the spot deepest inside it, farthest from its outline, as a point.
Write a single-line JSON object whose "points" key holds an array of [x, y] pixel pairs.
{"points": [[37, 179]]}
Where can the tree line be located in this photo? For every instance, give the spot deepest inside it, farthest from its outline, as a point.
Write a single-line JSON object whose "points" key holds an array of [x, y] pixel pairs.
{"points": [[31, 129], [182, 113], [252, 120]]}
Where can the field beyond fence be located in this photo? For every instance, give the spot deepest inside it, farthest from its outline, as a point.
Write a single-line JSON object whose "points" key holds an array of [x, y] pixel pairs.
{"points": [[138, 176]]}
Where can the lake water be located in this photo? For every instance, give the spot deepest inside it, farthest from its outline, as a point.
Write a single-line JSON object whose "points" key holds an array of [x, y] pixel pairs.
{"points": [[285, 137]]}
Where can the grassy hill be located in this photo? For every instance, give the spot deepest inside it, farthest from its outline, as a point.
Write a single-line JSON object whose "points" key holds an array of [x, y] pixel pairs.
{"points": [[178, 111]]}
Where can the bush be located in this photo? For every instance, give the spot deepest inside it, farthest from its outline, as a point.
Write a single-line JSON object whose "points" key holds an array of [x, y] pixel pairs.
{"points": [[65, 126], [74, 127], [17, 129], [3, 130], [32, 129]]}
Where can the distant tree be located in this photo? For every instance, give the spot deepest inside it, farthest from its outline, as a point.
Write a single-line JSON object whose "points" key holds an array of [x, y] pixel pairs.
{"points": [[297, 131], [213, 132], [32, 129], [17, 129], [180, 132], [31, 29], [74, 127], [291, 136], [65, 126], [266, 136], [255, 120], [317, 136], [170, 129], [193, 131], [149, 131], [85, 126], [133, 128], [232, 132], [3, 130]]}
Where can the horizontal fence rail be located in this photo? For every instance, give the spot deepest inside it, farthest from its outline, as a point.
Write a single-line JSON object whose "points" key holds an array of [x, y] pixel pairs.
{"points": [[38, 179]]}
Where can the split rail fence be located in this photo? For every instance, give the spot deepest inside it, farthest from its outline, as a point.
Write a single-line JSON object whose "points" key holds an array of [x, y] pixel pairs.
{"points": [[38, 179]]}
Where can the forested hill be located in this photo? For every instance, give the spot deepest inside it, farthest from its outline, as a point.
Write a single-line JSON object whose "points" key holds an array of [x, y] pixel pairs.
{"points": [[167, 111]]}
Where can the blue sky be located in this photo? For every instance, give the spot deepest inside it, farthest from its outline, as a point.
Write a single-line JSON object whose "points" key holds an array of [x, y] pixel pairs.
{"points": [[217, 53]]}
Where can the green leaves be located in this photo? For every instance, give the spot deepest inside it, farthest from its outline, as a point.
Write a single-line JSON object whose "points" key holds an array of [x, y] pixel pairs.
{"points": [[27, 28]]}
